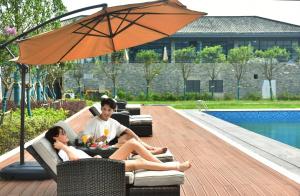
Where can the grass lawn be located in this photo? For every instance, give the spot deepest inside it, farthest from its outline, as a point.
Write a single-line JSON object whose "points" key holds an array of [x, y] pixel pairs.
{"points": [[221, 104]]}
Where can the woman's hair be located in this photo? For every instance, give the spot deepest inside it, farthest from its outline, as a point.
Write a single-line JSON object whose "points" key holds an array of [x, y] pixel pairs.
{"points": [[112, 104], [53, 132]]}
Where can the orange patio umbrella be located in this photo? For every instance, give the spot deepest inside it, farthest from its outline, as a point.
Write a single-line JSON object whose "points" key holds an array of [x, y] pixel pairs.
{"points": [[106, 31]]}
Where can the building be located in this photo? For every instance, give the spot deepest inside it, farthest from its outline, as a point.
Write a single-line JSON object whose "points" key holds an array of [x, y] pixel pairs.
{"points": [[227, 31]]}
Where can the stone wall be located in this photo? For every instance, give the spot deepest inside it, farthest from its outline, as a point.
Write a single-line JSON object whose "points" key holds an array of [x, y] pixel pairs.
{"points": [[170, 79]]}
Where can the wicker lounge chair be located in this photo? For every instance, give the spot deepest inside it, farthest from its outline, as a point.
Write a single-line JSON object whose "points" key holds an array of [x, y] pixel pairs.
{"points": [[102, 177]]}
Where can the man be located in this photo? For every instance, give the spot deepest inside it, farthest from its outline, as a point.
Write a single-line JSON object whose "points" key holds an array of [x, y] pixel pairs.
{"points": [[104, 128]]}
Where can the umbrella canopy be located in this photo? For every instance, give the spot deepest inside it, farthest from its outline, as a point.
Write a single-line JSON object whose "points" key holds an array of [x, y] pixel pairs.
{"points": [[109, 30]]}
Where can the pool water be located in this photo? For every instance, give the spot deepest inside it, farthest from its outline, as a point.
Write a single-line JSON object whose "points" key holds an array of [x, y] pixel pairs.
{"points": [[283, 126]]}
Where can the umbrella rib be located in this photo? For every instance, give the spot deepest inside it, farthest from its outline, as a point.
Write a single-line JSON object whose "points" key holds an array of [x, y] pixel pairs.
{"points": [[86, 25], [158, 13], [131, 23], [110, 32], [95, 30], [90, 34], [149, 28], [122, 22], [94, 19], [78, 42]]}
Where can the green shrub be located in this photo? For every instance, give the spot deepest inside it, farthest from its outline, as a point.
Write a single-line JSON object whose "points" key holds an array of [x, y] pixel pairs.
{"points": [[141, 96], [121, 94], [288, 96], [228, 96], [124, 95], [41, 120], [206, 96], [169, 97], [252, 96], [155, 97]]}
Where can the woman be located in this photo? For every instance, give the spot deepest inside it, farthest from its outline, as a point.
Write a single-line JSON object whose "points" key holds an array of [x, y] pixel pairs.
{"points": [[58, 138]]}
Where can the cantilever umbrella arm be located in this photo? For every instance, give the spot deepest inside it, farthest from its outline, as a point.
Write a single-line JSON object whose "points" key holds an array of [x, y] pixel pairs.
{"points": [[103, 5]]}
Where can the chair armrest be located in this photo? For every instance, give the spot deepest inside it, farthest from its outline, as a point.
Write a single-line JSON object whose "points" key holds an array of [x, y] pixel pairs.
{"points": [[121, 118], [91, 176], [94, 111], [121, 105]]}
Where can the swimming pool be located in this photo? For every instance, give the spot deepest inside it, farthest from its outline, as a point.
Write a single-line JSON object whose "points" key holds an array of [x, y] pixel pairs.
{"points": [[283, 126]]}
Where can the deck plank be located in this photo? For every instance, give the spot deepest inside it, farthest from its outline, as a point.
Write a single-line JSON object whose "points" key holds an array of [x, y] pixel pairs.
{"points": [[218, 168]]}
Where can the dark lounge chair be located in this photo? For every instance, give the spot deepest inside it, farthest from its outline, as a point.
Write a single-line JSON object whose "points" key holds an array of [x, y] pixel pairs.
{"points": [[139, 124]]}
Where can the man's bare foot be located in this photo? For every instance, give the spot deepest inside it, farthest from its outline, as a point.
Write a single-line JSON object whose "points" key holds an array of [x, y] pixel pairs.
{"points": [[184, 166], [159, 151]]}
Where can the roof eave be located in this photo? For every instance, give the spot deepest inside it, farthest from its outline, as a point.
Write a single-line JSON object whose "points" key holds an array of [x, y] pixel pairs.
{"points": [[230, 34]]}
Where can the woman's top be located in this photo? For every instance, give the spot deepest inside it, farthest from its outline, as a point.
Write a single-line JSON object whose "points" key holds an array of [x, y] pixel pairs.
{"points": [[81, 154]]}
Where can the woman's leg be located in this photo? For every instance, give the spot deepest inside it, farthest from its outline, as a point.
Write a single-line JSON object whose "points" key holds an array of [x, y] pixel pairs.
{"points": [[154, 150], [132, 165], [130, 146]]}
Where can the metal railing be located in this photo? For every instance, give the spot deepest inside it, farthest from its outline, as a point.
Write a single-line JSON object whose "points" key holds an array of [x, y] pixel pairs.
{"points": [[201, 105]]}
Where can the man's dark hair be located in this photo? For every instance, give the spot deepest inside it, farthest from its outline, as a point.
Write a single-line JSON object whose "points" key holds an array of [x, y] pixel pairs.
{"points": [[112, 104]]}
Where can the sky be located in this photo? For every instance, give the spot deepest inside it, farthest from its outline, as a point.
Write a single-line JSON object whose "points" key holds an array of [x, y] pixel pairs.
{"points": [[286, 11]]}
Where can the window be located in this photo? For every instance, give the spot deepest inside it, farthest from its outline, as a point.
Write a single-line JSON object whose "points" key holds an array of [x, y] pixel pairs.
{"points": [[264, 45], [255, 44], [216, 86], [287, 44], [193, 86]]}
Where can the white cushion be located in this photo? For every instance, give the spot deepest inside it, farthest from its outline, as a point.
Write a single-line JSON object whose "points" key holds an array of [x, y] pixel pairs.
{"points": [[133, 106], [47, 153], [143, 116], [165, 156], [140, 121], [158, 178], [69, 131], [130, 176]]}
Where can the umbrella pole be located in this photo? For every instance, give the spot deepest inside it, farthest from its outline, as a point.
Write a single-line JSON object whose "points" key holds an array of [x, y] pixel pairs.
{"points": [[24, 69], [29, 170]]}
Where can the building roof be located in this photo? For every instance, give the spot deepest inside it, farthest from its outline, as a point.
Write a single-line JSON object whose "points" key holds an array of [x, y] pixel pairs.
{"points": [[239, 25], [231, 26]]}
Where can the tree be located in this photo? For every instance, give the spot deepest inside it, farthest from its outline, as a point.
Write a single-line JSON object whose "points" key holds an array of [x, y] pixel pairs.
{"points": [[297, 50], [271, 61], [55, 74], [24, 15], [77, 71], [151, 65], [7, 69], [239, 59], [113, 69], [185, 58], [212, 57]]}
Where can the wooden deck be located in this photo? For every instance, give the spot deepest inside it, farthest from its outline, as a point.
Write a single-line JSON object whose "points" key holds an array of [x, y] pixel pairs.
{"points": [[218, 168]]}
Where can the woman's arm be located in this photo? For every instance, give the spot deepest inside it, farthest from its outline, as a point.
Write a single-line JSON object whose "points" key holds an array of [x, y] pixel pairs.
{"points": [[60, 146]]}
